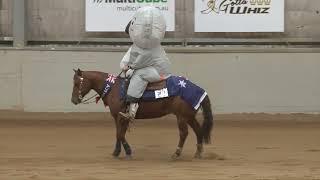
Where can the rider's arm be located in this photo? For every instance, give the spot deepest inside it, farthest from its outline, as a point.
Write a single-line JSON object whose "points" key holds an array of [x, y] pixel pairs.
{"points": [[125, 60], [141, 61]]}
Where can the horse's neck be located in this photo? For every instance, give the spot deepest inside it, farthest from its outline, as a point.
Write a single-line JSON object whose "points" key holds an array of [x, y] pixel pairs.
{"points": [[97, 80]]}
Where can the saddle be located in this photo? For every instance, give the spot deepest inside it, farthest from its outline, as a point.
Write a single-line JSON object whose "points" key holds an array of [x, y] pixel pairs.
{"points": [[150, 89], [157, 85]]}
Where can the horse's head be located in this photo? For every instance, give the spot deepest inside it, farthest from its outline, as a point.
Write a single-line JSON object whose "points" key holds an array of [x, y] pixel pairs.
{"points": [[81, 86]]}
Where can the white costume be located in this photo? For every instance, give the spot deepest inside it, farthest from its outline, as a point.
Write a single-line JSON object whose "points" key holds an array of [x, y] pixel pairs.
{"points": [[146, 58]]}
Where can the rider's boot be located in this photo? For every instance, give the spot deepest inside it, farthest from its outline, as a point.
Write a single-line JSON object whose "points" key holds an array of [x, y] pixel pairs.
{"points": [[131, 114]]}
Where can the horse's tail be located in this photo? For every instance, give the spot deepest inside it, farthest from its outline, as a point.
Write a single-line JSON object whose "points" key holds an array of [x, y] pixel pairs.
{"points": [[208, 119]]}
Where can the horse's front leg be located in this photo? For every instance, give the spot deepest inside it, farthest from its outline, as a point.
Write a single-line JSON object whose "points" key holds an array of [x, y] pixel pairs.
{"points": [[123, 129], [117, 149], [122, 126]]}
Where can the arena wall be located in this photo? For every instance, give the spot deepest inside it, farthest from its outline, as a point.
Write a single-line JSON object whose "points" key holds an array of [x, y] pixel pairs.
{"points": [[251, 82]]}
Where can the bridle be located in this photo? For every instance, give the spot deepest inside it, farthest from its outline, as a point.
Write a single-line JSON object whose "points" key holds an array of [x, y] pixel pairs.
{"points": [[80, 97], [87, 101]]}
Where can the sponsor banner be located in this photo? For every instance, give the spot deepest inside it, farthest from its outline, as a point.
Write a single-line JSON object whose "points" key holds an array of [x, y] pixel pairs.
{"points": [[239, 15], [114, 15]]}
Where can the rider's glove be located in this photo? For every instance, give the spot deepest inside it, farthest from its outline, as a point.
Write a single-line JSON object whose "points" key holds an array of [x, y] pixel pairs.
{"points": [[129, 73]]}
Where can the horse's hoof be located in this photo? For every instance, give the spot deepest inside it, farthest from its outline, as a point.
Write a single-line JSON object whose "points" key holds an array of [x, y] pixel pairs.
{"points": [[116, 154], [115, 157], [128, 157], [197, 156], [175, 156]]}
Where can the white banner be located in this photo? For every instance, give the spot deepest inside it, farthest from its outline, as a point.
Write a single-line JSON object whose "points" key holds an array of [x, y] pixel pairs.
{"points": [[239, 15], [114, 15]]}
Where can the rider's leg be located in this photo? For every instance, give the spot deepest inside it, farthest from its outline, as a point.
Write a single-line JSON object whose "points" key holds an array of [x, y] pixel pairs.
{"points": [[137, 86], [135, 90], [150, 74]]}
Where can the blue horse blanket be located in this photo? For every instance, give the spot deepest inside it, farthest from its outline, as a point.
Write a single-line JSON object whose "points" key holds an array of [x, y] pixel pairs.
{"points": [[175, 86]]}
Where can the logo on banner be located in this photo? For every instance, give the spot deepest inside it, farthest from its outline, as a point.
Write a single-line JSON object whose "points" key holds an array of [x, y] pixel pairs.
{"points": [[122, 12], [130, 1], [134, 5], [237, 6], [260, 2]]}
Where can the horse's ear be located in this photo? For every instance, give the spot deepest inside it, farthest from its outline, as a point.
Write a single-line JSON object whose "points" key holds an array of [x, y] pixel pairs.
{"points": [[75, 71], [79, 72]]}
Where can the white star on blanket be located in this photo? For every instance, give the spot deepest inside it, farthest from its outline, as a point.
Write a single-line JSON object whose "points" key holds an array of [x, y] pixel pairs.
{"points": [[182, 83]]}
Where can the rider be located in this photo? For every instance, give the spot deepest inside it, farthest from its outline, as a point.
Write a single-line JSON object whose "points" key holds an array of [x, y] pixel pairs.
{"points": [[146, 60]]}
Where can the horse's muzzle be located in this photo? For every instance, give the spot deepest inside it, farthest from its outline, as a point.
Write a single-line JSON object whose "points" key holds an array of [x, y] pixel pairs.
{"points": [[75, 101]]}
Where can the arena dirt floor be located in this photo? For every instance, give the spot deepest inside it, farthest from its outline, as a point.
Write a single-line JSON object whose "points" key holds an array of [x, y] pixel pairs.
{"points": [[79, 146]]}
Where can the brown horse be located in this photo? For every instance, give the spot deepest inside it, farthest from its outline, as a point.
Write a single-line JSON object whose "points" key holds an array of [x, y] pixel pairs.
{"points": [[84, 81]]}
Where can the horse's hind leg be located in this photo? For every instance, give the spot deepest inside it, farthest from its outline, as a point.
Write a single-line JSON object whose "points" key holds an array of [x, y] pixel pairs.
{"points": [[194, 124], [183, 131]]}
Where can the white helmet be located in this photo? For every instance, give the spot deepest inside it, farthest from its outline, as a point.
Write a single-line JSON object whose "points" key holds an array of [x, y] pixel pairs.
{"points": [[148, 27]]}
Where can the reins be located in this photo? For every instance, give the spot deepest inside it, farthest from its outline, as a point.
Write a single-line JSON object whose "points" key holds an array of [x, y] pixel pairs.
{"points": [[87, 101]]}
